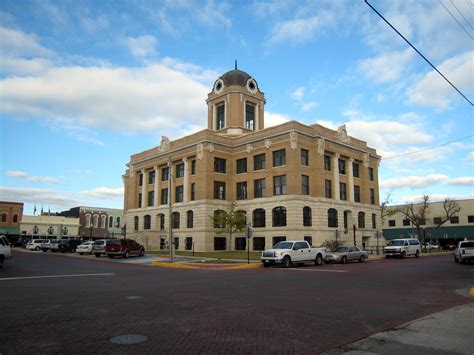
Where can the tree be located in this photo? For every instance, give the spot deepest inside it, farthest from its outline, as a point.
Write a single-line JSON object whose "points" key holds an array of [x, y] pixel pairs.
{"points": [[229, 221], [385, 210], [418, 215]]}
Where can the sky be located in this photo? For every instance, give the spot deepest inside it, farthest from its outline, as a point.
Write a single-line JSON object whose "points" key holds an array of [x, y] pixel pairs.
{"points": [[86, 84]]}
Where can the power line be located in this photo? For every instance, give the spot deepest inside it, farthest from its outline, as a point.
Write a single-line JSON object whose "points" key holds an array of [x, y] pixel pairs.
{"points": [[460, 13], [428, 148], [455, 19], [417, 51]]}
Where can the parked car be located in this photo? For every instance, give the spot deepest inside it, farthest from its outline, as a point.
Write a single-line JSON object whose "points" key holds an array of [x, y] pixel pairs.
{"points": [[464, 252], [24, 242], [85, 248], [449, 247], [124, 247], [291, 252], [68, 246], [35, 244], [402, 248], [430, 246], [344, 254], [98, 248], [54, 245], [5, 250], [46, 245]]}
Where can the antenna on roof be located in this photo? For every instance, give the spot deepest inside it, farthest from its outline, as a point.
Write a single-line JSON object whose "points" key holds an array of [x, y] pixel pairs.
{"points": [[236, 64]]}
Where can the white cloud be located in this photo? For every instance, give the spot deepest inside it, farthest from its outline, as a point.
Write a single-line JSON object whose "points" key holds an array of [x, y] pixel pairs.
{"points": [[470, 156], [17, 43], [298, 93], [92, 25], [308, 106], [386, 67], [462, 181], [414, 181], [142, 46], [33, 179], [300, 29], [435, 197], [46, 197], [274, 119], [21, 66], [103, 193]]}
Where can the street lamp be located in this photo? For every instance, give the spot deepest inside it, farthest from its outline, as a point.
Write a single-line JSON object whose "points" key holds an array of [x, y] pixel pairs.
{"points": [[90, 232], [354, 229]]}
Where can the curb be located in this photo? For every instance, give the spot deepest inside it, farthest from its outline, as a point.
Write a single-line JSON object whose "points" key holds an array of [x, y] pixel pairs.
{"points": [[207, 267]]}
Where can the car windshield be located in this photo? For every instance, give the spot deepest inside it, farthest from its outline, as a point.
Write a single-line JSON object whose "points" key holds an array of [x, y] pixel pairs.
{"points": [[283, 245], [396, 243], [342, 250], [99, 242]]}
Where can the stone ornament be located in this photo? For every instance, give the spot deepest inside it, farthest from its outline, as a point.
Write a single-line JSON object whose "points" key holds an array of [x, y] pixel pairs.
{"points": [[165, 144], [321, 146], [200, 151], [293, 140], [249, 148], [342, 134], [210, 147], [268, 143]]}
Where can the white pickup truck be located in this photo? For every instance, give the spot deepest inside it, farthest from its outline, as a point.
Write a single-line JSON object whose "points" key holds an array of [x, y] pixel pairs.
{"points": [[5, 250], [292, 252], [464, 252]]}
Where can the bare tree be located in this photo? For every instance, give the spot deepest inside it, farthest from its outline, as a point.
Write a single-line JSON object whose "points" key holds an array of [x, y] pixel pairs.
{"points": [[230, 221], [385, 210]]}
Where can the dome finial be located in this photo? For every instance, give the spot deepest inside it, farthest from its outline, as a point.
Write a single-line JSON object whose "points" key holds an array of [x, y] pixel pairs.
{"points": [[236, 64]]}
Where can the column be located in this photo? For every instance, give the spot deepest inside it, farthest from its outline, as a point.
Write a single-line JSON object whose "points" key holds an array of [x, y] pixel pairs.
{"points": [[350, 180], [335, 174], [257, 108], [144, 198], [157, 202], [186, 180]]}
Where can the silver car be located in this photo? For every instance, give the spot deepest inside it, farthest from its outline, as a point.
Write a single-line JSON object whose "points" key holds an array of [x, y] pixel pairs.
{"points": [[344, 254]]}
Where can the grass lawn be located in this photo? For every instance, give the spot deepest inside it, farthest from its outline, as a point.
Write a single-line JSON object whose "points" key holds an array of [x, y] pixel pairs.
{"points": [[236, 255]]}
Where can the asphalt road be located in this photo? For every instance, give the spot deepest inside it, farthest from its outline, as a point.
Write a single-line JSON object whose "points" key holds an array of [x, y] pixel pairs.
{"points": [[299, 310]]}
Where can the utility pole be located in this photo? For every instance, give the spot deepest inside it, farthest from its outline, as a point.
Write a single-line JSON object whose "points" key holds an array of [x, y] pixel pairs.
{"points": [[354, 229], [170, 231]]}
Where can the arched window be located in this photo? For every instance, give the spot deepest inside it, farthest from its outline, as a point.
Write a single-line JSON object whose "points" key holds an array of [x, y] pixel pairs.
{"points": [[136, 221], [361, 220], [332, 217], [190, 219], [374, 221], [118, 222], [175, 220], [346, 221], [103, 221], [88, 220], [258, 218], [95, 219], [279, 216], [15, 218], [160, 221], [111, 222], [219, 218], [4, 217], [147, 222], [307, 221]]}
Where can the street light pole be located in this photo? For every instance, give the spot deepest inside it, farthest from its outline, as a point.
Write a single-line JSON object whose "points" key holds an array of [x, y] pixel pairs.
{"points": [[354, 229]]}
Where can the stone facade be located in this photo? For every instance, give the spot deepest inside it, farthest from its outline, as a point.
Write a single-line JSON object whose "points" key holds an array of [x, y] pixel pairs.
{"points": [[49, 227]]}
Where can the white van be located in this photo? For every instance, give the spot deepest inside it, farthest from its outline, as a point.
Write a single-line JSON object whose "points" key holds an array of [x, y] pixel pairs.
{"points": [[35, 244], [5, 250], [402, 248]]}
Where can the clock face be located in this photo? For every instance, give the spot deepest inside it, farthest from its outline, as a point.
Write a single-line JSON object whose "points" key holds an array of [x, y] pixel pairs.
{"points": [[218, 86], [252, 86]]}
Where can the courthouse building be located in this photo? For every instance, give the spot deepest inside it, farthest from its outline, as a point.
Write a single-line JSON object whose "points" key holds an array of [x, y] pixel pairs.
{"points": [[293, 181]]}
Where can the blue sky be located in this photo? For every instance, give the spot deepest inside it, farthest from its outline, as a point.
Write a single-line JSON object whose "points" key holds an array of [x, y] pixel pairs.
{"points": [[85, 84]]}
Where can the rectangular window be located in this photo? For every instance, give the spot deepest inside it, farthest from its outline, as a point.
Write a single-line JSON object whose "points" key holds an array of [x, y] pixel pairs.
{"points": [[436, 220], [454, 220], [371, 174], [250, 116], [279, 185], [259, 162], [259, 188], [139, 200], [355, 170], [391, 223], [259, 243], [242, 190], [193, 192], [305, 157], [470, 219], [309, 239], [342, 166], [165, 173], [327, 163], [220, 116], [193, 167], [188, 243], [328, 189], [356, 193], [279, 157], [406, 222], [219, 190], [219, 165], [304, 184], [241, 166], [179, 193], [140, 179], [151, 198], [151, 177], [180, 170], [164, 196], [342, 191], [372, 196]]}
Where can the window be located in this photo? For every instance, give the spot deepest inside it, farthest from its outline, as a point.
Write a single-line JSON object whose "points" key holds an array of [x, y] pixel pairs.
{"points": [[165, 173], [193, 192], [346, 221], [135, 224], [140, 179], [4, 217], [161, 221], [374, 221], [258, 243], [436, 220], [342, 166], [176, 242], [139, 200], [242, 190], [279, 157], [241, 166], [147, 222], [279, 216], [188, 243], [361, 220], [151, 177], [355, 170], [277, 240], [220, 116], [180, 170], [117, 223], [95, 221], [470, 219], [259, 188], [219, 190], [356, 193], [189, 219], [332, 217], [279, 185], [88, 219], [240, 243], [175, 220], [304, 157], [103, 222], [327, 163], [304, 184], [15, 218], [111, 221], [328, 190], [258, 218], [219, 165], [307, 222], [372, 196], [193, 167], [391, 223], [371, 174], [249, 116], [164, 196], [259, 162], [342, 191], [151, 198], [219, 218], [308, 239], [179, 194], [220, 243], [454, 220], [406, 222]]}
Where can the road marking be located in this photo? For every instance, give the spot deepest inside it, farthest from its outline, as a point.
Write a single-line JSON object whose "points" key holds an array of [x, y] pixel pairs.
{"points": [[320, 270], [54, 276]]}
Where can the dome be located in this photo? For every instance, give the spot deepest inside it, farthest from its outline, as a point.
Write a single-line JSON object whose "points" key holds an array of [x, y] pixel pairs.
{"points": [[235, 77]]}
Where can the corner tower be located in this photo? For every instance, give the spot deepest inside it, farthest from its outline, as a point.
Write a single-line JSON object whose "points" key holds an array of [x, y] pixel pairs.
{"points": [[235, 104]]}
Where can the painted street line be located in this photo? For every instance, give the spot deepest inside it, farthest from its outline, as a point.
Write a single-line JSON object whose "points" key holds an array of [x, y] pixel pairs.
{"points": [[54, 276], [319, 270]]}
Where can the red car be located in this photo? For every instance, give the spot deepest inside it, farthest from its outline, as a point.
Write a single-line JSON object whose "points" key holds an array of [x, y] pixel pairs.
{"points": [[123, 247]]}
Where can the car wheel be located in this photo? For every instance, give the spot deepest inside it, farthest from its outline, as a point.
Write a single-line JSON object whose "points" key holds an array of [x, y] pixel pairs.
{"points": [[319, 260], [97, 255], [362, 259], [402, 255], [343, 260], [142, 252], [37, 248], [417, 254], [286, 262], [127, 254], [266, 264], [456, 259]]}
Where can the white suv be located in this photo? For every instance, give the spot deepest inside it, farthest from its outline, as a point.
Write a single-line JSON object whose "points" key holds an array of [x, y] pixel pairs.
{"points": [[402, 248], [35, 244], [5, 250]]}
